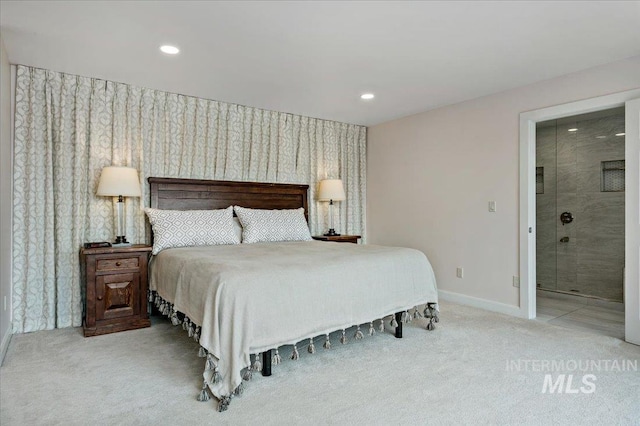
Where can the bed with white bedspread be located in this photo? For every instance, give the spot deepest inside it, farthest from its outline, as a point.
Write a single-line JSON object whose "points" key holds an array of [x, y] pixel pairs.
{"points": [[244, 300]]}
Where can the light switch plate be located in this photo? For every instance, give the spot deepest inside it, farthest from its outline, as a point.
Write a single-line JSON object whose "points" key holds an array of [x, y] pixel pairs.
{"points": [[460, 272], [492, 206]]}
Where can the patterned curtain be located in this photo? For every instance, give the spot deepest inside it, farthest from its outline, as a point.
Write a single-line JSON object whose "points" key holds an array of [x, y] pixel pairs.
{"points": [[67, 128]]}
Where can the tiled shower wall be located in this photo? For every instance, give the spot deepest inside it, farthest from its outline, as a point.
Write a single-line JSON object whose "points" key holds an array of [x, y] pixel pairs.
{"points": [[592, 261]]}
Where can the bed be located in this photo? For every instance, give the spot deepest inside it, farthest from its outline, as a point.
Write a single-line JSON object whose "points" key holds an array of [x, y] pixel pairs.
{"points": [[242, 302]]}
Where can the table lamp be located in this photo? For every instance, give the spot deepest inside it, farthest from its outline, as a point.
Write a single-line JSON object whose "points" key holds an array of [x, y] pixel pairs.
{"points": [[331, 190], [119, 182]]}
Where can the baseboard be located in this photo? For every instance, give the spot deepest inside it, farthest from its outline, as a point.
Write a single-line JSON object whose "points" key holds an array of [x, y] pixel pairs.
{"points": [[476, 302], [4, 345]]}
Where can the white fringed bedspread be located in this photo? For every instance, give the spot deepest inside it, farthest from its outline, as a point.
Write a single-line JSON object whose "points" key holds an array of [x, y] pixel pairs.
{"points": [[249, 298]]}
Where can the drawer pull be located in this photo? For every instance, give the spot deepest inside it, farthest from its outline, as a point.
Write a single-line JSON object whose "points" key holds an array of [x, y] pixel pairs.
{"points": [[118, 263], [99, 297]]}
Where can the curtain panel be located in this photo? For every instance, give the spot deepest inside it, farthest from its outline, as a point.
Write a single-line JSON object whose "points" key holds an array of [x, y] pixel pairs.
{"points": [[67, 128]]}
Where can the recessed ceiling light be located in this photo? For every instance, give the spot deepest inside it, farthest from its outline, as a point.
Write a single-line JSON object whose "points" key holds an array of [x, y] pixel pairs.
{"points": [[620, 134], [575, 129], [367, 96], [601, 137], [169, 50]]}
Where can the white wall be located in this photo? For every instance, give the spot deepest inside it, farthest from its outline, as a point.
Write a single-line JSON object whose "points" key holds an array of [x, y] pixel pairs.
{"points": [[431, 175], [5, 199]]}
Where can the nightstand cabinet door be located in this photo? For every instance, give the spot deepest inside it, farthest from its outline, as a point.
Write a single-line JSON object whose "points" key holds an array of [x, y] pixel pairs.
{"points": [[117, 295], [115, 281]]}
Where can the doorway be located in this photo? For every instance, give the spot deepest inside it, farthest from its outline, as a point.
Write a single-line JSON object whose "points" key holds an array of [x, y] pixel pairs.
{"points": [[528, 279], [580, 185]]}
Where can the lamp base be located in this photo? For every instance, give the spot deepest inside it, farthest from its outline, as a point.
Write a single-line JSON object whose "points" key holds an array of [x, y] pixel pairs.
{"points": [[121, 241], [332, 233]]}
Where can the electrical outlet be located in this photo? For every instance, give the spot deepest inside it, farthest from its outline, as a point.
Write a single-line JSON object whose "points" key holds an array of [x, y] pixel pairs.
{"points": [[459, 272], [516, 281]]}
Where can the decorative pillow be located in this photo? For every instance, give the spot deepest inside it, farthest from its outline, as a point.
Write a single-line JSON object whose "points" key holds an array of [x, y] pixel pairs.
{"points": [[272, 225], [187, 228]]}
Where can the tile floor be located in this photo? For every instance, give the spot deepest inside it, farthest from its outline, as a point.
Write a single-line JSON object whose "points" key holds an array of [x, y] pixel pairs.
{"points": [[581, 313]]}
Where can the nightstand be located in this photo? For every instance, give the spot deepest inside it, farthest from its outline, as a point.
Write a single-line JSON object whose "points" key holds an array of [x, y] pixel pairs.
{"points": [[338, 238], [115, 280]]}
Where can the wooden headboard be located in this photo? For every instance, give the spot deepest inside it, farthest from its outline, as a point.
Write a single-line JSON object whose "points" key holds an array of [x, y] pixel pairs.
{"points": [[197, 194]]}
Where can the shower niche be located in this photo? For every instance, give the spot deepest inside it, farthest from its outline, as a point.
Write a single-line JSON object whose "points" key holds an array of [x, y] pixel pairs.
{"points": [[580, 204]]}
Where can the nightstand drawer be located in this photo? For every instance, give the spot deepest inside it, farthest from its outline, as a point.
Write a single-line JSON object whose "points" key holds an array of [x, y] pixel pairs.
{"points": [[116, 264]]}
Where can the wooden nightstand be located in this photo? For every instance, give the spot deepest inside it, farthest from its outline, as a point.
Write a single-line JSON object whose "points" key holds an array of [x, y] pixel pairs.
{"points": [[115, 289], [339, 238]]}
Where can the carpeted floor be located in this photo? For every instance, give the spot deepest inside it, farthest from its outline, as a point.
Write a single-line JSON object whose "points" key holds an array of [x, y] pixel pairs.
{"points": [[457, 374]]}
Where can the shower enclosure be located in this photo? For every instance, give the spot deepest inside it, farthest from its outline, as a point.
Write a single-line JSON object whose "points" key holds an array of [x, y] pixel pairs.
{"points": [[580, 204]]}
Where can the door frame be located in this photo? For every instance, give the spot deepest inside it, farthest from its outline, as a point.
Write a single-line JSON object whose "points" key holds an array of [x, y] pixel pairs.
{"points": [[527, 230]]}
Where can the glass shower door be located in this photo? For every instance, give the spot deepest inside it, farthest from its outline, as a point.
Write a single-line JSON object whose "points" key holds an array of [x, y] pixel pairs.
{"points": [[580, 204]]}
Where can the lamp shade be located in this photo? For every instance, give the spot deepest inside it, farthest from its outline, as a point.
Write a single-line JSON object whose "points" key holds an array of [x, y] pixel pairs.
{"points": [[116, 181], [331, 189]]}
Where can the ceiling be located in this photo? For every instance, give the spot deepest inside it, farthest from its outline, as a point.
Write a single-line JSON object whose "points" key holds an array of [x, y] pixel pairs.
{"points": [[316, 58]]}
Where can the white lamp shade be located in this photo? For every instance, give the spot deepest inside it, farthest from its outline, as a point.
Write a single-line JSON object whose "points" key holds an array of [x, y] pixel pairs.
{"points": [[331, 189], [116, 181]]}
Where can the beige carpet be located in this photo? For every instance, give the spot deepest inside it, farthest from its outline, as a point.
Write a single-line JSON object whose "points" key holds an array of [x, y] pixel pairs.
{"points": [[456, 374]]}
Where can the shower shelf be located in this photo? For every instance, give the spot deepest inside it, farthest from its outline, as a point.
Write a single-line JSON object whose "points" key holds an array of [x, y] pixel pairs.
{"points": [[613, 176]]}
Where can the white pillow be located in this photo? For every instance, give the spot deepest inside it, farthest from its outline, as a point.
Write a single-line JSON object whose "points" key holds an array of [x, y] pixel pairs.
{"points": [[187, 228], [272, 225]]}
